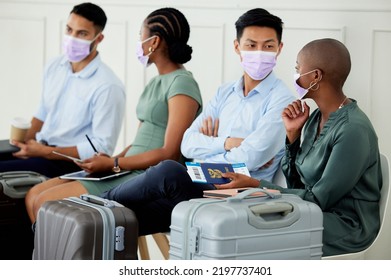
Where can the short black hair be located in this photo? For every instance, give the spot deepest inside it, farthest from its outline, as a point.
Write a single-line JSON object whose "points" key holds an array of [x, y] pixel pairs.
{"points": [[93, 13], [172, 26], [259, 17]]}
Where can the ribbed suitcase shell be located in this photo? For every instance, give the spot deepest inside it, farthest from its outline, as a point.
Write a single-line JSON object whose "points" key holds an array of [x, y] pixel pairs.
{"points": [[76, 229], [228, 228]]}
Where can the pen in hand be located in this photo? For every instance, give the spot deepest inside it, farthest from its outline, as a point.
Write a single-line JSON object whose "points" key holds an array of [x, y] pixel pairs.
{"points": [[92, 145]]}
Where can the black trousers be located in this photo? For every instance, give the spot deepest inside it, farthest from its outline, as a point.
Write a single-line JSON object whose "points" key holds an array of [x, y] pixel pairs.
{"points": [[49, 168], [154, 194]]}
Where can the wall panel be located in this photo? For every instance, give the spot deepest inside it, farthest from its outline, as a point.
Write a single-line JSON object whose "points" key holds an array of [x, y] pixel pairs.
{"points": [[380, 93], [22, 49]]}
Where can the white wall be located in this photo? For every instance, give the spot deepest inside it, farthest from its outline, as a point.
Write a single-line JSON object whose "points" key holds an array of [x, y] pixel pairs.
{"points": [[31, 33]]}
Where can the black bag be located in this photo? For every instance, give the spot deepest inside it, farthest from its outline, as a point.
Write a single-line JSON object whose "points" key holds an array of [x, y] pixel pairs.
{"points": [[16, 236]]}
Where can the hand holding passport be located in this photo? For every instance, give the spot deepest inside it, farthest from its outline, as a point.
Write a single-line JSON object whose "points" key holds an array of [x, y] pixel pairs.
{"points": [[212, 172]]}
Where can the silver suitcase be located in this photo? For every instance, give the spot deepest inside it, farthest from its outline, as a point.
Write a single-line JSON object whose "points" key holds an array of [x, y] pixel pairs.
{"points": [[84, 228], [272, 227]]}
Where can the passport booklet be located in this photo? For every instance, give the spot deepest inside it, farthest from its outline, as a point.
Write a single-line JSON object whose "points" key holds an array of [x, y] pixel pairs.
{"points": [[204, 172]]}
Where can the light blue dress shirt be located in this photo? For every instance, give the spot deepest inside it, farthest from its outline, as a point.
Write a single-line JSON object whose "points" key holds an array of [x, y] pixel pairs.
{"points": [[255, 117], [72, 105]]}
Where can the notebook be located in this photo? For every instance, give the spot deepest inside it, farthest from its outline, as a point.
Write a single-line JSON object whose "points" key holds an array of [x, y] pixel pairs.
{"points": [[223, 193], [98, 176]]}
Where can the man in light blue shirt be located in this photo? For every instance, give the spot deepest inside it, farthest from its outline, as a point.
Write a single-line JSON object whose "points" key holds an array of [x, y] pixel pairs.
{"points": [[254, 119], [242, 123], [81, 96]]}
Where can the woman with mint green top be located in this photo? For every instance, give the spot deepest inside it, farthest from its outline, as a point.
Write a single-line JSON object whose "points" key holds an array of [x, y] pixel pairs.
{"points": [[152, 111], [332, 156], [167, 107]]}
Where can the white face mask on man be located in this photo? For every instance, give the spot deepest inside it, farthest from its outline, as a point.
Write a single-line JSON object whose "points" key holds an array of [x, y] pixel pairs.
{"points": [[144, 59]]}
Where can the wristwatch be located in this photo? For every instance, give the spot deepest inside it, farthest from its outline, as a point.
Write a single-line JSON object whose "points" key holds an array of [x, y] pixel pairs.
{"points": [[116, 167]]}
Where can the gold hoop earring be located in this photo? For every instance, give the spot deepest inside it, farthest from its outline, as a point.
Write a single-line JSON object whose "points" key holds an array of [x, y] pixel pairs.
{"points": [[312, 84]]}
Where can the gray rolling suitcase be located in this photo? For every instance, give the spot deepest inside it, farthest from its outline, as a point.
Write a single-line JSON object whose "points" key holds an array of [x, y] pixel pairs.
{"points": [[272, 227], [85, 228]]}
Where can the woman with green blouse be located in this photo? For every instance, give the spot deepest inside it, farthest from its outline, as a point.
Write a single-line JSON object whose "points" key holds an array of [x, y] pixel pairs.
{"points": [[332, 156]]}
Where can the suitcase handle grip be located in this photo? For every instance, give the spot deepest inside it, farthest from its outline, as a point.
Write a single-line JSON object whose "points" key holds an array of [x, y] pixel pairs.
{"points": [[16, 184], [247, 194], [284, 208], [273, 214], [100, 201]]}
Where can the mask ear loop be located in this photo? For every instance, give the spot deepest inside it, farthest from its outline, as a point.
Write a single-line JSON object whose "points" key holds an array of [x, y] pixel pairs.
{"points": [[312, 84], [92, 47]]}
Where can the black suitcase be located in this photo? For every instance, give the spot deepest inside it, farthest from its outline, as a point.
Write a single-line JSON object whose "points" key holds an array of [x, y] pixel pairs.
{"points": [[16, 236], [85, 228]]}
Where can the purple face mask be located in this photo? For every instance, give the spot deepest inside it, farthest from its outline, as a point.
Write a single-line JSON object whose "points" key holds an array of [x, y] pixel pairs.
{"points": [[76, 49], [258, 64], [144, 59], [300, 90]]}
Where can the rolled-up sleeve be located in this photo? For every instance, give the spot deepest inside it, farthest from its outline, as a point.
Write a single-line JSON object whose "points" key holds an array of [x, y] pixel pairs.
{"points": [[108, 108]]}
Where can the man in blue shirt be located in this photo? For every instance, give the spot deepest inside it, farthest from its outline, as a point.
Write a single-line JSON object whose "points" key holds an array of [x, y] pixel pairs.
{"points": [[81, 96], [242, 123]]}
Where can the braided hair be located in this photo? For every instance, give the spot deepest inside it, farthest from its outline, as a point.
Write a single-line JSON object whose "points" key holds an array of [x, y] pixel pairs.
{"points": [[171, 25]]}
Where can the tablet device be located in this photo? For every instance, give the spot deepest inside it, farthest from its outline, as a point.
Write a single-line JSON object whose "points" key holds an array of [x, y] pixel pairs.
{"points": [[97, 176]]}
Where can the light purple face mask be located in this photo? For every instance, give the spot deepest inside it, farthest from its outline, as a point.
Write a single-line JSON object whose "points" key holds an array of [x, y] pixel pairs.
{"points": [[144, 59], [76, 49], [300, 90], [258, 64]]}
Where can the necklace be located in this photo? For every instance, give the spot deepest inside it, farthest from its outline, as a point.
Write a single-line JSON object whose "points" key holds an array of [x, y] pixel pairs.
{"points": [[342, 104]]}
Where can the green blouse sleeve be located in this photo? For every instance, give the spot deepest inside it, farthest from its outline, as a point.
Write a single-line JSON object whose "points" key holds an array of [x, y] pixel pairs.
{"points": [[186, 85]]}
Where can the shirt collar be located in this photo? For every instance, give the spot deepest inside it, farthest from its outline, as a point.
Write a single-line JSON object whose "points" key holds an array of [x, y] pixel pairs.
{"points": [[87, 71], [263, 87]]}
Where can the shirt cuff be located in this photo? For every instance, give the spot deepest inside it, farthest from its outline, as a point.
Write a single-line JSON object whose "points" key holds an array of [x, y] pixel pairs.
{"points": [[218, 145], [291, 149]]}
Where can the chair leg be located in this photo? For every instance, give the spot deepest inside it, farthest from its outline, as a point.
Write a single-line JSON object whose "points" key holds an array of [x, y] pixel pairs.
{"points": [[143, 248], [163, 244]]}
